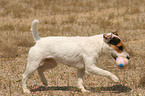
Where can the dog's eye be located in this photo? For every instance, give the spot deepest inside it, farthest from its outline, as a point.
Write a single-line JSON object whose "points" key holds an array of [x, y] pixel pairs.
{"points": [[120, 47]]}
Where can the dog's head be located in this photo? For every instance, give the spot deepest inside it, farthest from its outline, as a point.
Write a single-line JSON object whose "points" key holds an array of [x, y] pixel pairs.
{"points": [[116, 45]]}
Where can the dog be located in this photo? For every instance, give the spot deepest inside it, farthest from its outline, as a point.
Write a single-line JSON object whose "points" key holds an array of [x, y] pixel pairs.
{"points": [[78, 52]]}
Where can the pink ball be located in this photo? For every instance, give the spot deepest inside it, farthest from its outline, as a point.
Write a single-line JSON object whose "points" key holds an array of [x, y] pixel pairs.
{"points": [[121, 62]]}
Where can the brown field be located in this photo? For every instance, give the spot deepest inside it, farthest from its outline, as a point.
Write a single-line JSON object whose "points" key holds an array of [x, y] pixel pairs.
{"points": [[71, 18]]}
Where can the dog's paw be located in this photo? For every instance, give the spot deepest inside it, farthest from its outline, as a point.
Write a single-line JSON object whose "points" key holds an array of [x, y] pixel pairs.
{"points": [[118, 83], [85, 91], [115, 79], [26, 91], [45, 84]]}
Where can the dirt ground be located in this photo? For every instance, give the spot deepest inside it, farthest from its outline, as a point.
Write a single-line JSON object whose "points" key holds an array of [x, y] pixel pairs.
{"points": [[71, 18]]}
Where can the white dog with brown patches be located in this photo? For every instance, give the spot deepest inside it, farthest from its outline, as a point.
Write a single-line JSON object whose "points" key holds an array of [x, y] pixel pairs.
{"points": [[78, 52]]}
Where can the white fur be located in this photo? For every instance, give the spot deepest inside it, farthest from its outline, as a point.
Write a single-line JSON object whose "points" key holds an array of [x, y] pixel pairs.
{"points": [[78, 52], [34, 29]]}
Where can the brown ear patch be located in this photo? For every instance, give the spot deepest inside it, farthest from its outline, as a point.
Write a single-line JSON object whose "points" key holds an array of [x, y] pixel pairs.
{"points": [[107, 37], [115, 32]]}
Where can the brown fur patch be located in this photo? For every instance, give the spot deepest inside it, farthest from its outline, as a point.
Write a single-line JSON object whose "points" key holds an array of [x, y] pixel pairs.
{"points": [[115, 32], [116, 47], [114, 41]]}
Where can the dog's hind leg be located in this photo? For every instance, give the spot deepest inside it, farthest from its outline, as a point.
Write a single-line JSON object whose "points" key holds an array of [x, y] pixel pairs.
{"points": [[44, 65], [30, 68]]}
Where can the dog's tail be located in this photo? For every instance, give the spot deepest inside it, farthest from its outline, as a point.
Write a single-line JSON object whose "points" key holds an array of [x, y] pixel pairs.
{"points": [[34, 29]]}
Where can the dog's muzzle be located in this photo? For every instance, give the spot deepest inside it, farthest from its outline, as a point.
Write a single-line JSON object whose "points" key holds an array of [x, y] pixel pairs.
{"points": [[115, 56]]}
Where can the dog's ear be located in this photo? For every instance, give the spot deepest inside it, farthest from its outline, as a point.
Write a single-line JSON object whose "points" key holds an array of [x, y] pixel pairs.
{"points": [[115, 32], [107, 37]]}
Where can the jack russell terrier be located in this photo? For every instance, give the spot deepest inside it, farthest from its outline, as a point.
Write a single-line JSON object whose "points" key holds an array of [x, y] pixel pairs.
{"points": [[78, 52]]}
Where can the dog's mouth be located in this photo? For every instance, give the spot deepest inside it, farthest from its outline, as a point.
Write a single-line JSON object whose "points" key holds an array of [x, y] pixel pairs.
{"points": [[114, 55]]}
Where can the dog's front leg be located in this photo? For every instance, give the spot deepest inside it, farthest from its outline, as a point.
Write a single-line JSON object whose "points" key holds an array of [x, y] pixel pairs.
{"points": [[80, 80], [92, 69]]}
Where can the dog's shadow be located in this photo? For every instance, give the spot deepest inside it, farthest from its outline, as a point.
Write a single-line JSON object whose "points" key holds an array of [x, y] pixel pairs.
{"points": [[112, 89]]}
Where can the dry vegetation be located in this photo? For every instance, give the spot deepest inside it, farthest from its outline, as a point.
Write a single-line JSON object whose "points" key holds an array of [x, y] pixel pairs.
{"points": [[71, 18]]}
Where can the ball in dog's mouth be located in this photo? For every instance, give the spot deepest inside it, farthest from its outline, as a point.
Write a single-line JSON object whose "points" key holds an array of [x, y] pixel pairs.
{"points": [[121, 62]]}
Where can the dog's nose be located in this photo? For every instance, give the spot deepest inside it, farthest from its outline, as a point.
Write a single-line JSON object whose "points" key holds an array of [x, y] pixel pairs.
{"points": [[128, 57]]}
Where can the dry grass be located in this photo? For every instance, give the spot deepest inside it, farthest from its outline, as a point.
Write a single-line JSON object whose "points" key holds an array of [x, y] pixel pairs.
{"points": [[71, 18]]}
